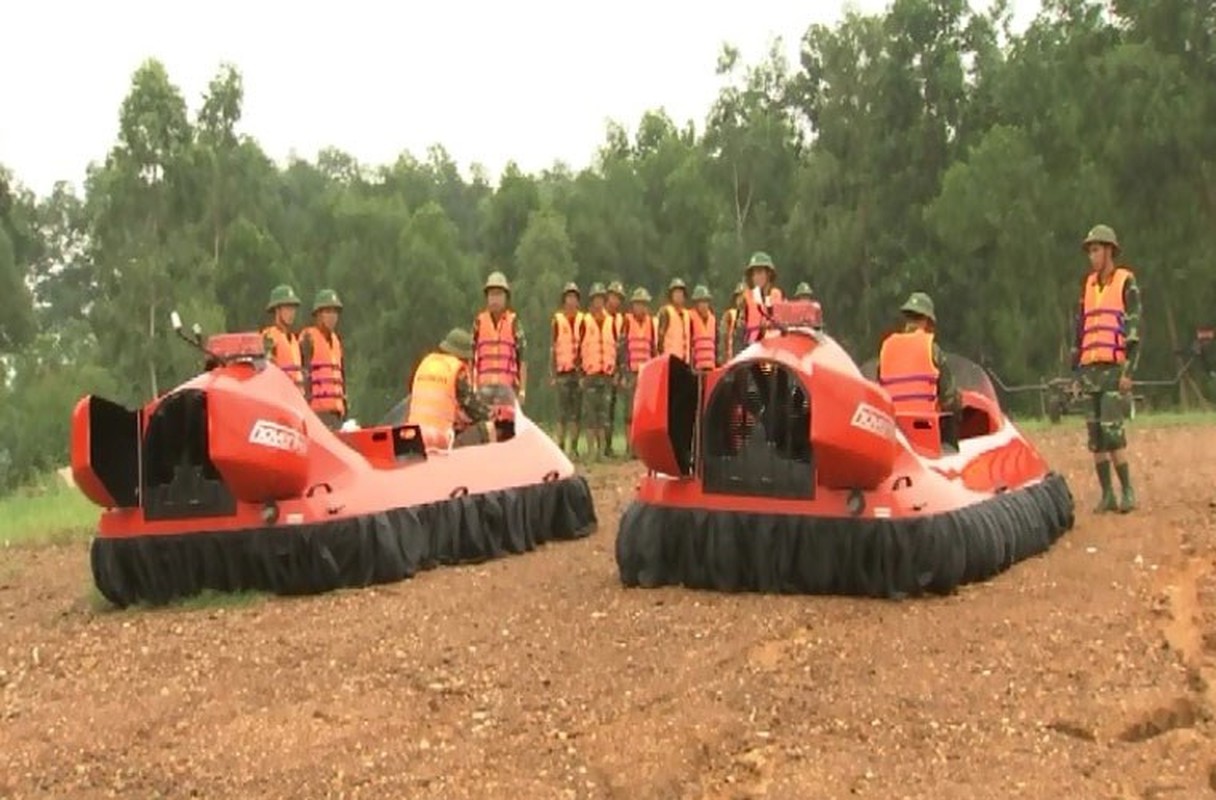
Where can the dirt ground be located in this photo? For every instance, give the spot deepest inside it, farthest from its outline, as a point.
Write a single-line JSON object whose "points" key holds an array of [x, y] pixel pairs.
{"points": [[1087, 673]]}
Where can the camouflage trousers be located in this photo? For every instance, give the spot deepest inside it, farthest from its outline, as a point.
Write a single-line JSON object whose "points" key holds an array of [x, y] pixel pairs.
{"points": [[569, 398], [332, 419], [629, 385], [597, 394], [1105, 407]]}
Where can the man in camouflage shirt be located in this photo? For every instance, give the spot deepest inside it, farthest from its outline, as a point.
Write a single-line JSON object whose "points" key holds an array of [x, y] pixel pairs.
{"points": [[1105, 355], [473, 424]]}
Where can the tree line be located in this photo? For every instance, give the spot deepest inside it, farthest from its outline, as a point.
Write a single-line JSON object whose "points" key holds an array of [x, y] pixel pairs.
{"points": [[924, 148]]}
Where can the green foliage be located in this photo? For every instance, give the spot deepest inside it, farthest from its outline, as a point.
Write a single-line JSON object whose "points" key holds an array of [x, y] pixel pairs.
{"points": [[924, 148]]}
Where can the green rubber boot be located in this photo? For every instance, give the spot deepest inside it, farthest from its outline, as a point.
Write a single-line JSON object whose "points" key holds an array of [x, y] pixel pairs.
{"points": [[1128, 502], [1108, 502]]}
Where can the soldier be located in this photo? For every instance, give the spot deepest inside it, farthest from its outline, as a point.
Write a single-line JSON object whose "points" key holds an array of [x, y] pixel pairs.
{"points": [[674, 323], [498, 345], [803, 292], [1105, 355], [637, 344], [730, 321], [703, 329], [443, 402], [762, 274], [282, 343], [597, 357], [567, 328], [321, 350], [616, 299], [913, 369]]}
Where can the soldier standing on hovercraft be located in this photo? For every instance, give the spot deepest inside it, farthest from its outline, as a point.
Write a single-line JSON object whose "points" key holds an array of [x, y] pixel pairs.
{"points": [[761, 273], [568, 324], [1105, 353], [498, 345], [321, 351], [282, 343]]}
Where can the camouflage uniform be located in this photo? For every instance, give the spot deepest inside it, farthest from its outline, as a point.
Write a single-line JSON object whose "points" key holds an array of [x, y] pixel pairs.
{"points": [[597, 394], [618, 289], [1100, 381], [629, 378], [568, 384], [497, 392], [475, 408], [949, 399], [1105, 409]]}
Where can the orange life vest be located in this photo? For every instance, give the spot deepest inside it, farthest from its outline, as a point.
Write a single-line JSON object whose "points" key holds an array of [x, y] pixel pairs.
{"points": [[640, 342], [287, 355], [730, 319], [433, 404], [1102, 323], [754, 319], [598, 349], [567, 337], [497, 359], [675, 337], [906, 370], [326, 374], [704, 340]]}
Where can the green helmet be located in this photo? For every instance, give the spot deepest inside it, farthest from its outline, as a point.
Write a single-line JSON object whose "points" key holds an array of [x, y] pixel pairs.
{"points": [[1101, 234], [326, 298], [640, 295], [571, 287], [701, 293], [459, 343], [617, 288], [803, 290], [497, 280], [921, 305], [740, 288], [676, 283], [762, 260], [597, 290], [282, 295]]}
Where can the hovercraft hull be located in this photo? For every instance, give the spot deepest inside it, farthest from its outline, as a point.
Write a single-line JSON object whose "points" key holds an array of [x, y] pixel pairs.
{"points": [[701, 546], [355, 551]]}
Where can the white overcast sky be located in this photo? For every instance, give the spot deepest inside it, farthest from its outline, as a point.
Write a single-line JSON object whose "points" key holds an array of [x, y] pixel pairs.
{"points": [[530, 80]]}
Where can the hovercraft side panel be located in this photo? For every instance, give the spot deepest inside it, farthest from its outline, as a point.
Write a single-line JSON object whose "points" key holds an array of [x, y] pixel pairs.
{"points": [[895, 557], [665, 415], [346, 552], [106, 452]]}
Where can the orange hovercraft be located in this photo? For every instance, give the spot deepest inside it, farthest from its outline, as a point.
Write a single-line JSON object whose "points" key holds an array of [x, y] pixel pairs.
{"points": [[229, 482], [787, 471]]}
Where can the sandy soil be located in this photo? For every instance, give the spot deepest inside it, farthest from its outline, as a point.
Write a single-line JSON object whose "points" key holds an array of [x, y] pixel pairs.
{"points": [[1087, 673]]}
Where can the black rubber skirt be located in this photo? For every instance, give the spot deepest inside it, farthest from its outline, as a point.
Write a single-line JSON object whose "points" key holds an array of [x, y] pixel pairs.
{"points": [[894, 558], [356, 551]]}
